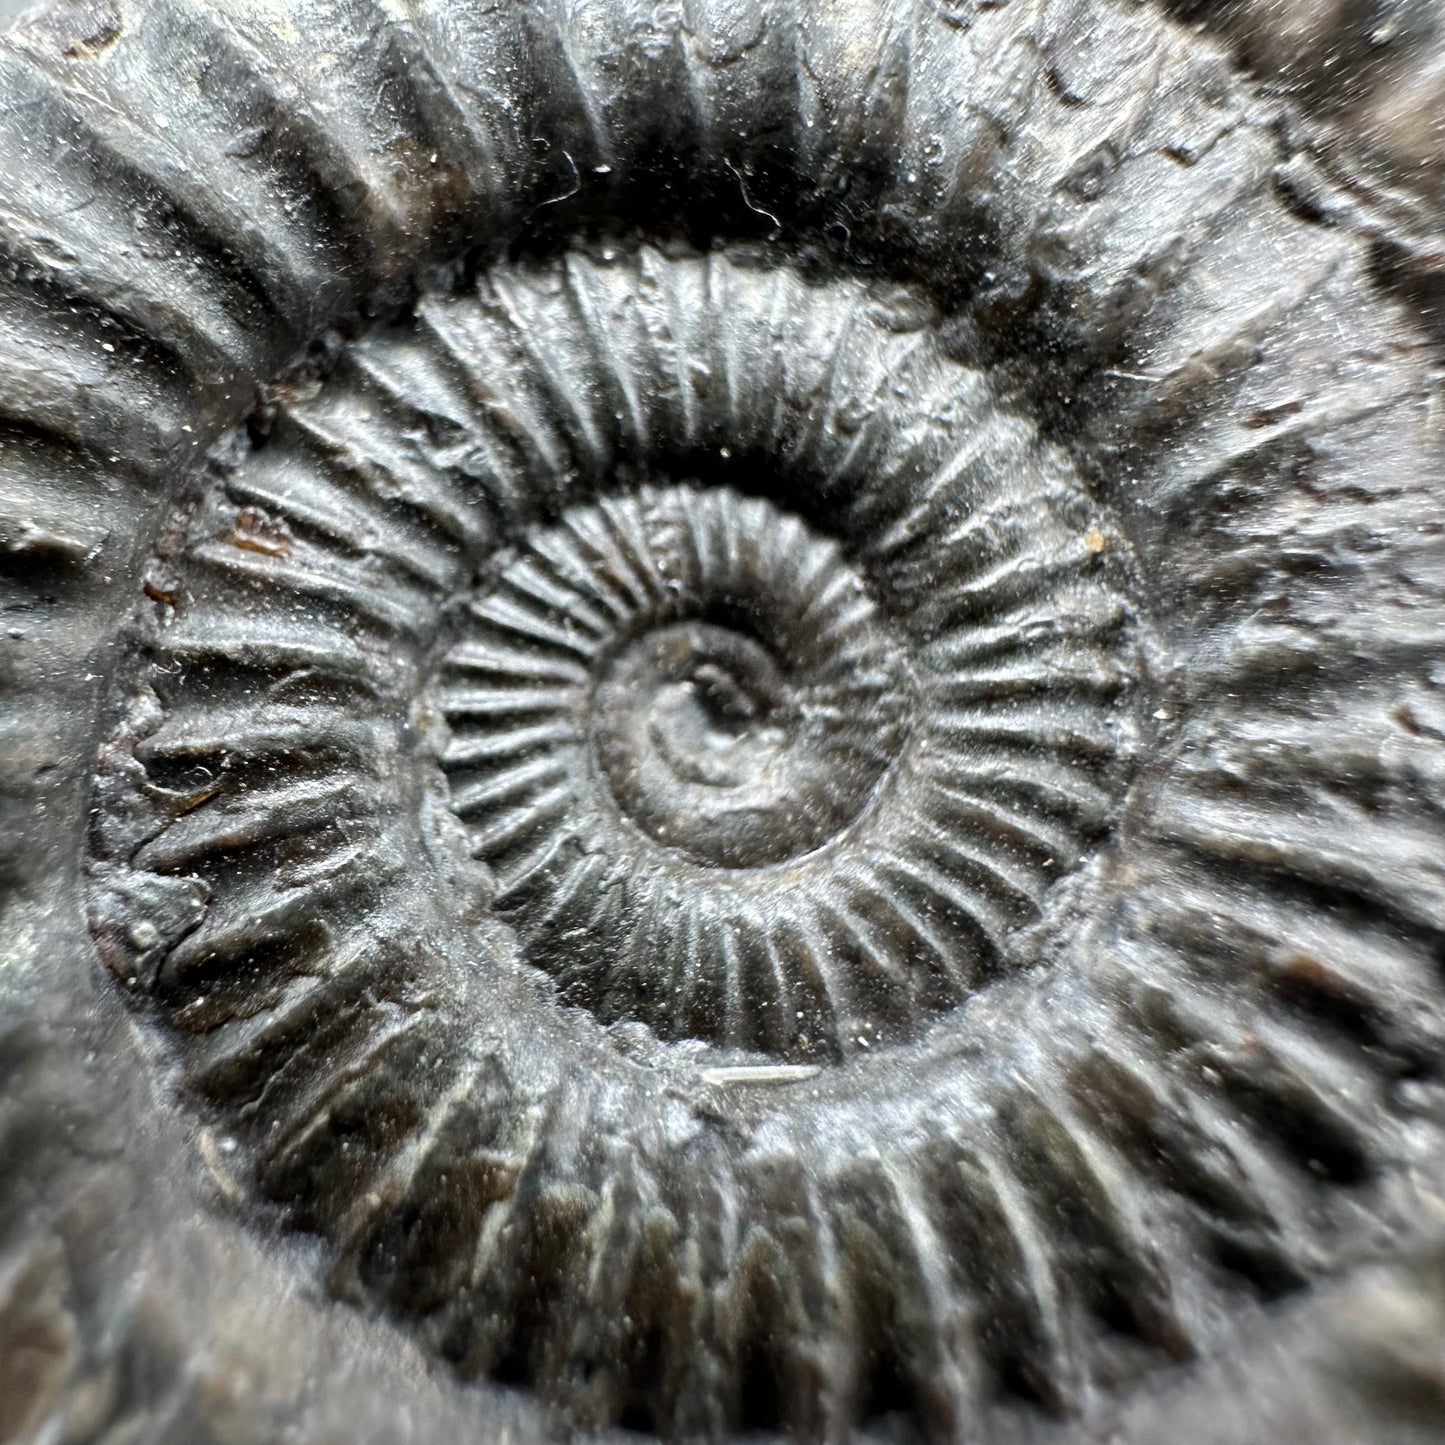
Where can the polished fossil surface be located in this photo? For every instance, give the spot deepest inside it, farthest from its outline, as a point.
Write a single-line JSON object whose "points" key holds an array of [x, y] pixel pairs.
{"points": [[725, 723]]}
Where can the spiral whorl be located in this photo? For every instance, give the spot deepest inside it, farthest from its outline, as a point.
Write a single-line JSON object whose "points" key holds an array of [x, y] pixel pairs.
{"points": [[767, 681], [779, 783]]}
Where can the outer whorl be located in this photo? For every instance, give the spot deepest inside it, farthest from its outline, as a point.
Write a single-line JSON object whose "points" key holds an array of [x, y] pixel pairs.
{"points": [[788, 778]]}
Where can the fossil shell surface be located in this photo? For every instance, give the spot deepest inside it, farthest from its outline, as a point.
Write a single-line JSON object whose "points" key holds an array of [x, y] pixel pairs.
{"points": [[725, 721]]}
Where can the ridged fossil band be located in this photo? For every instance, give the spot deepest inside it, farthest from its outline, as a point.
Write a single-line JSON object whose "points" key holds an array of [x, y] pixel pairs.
{"points": [[788, 777]]}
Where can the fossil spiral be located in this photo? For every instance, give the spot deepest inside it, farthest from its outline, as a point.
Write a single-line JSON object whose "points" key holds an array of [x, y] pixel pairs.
{"points": [[761, 730]]}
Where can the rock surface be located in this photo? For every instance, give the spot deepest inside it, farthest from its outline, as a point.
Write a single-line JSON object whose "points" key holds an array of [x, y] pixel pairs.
{"points": [[721, 720]]}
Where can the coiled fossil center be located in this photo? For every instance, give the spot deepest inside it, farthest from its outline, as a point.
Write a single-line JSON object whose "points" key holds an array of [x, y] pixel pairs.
{"points": [[698, 736], [737, 691], [782, 758], [712, 719]]}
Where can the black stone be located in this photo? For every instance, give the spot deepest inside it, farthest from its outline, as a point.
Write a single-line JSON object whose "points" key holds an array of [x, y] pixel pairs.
{"points": [[721, 720]]}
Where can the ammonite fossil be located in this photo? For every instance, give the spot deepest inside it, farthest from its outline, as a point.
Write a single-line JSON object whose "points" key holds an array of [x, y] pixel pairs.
{"points": [[726, 723]]}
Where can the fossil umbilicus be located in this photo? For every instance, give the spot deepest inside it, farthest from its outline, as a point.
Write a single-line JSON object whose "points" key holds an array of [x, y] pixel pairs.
{"points": [[725, 721]]}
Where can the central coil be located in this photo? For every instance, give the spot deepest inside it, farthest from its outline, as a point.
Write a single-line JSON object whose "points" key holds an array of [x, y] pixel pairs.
{"points": [[779, 757]]}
